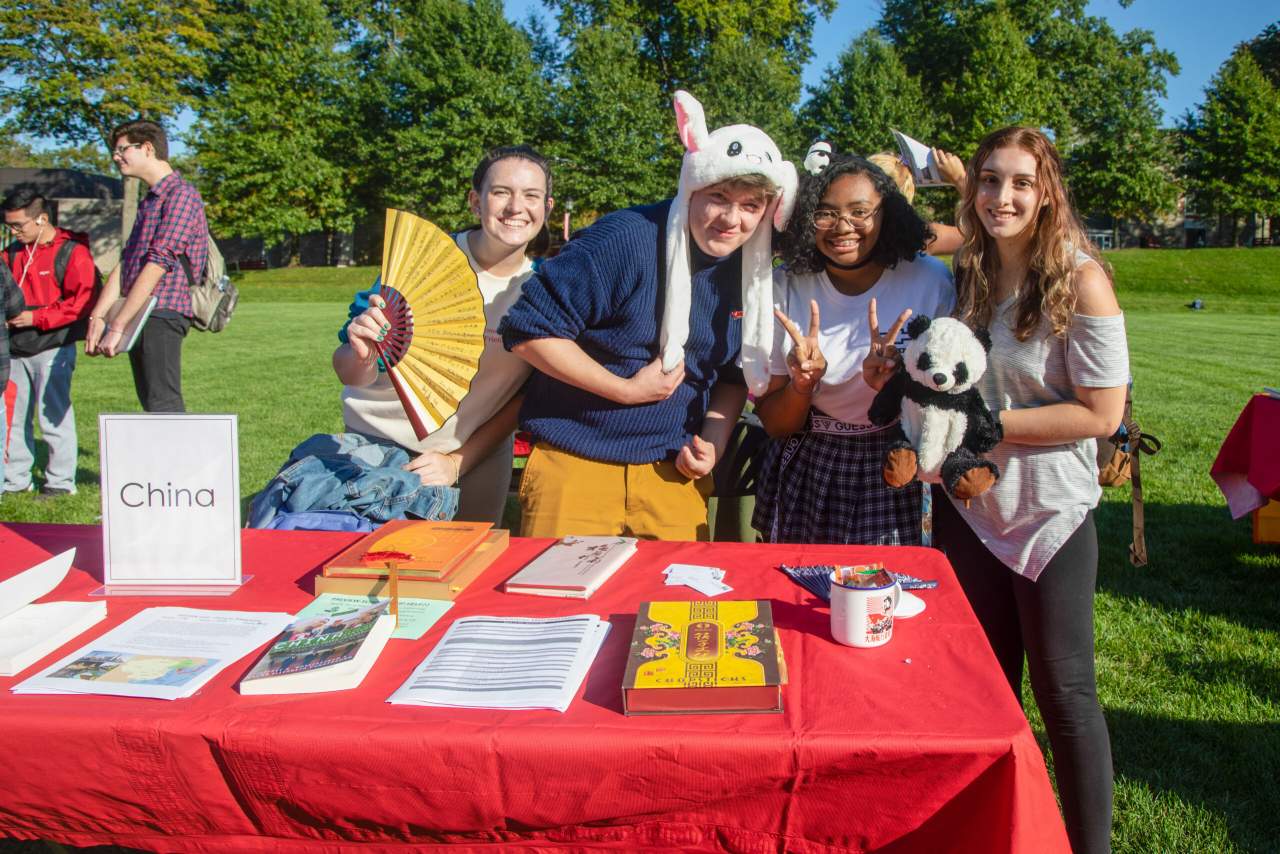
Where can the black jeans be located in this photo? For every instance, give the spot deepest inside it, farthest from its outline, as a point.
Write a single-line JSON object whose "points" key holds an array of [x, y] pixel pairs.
{"points": [[1051, 621], [156, 360]]}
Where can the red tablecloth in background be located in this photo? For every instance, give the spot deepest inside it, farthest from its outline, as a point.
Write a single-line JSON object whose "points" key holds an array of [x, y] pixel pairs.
{"points": [[915, 746], [1247, 469]]}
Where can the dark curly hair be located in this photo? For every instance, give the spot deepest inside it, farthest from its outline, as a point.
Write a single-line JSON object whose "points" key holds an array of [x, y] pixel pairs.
{"points": [[903, 234]]}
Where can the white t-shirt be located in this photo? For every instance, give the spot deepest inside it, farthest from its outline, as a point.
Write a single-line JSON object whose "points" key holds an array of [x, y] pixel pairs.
{"points": [[376, 411], [923, 285]]}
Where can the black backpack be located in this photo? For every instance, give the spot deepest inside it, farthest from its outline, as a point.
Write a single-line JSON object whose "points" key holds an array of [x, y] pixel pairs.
{"points": [[30, 341]]}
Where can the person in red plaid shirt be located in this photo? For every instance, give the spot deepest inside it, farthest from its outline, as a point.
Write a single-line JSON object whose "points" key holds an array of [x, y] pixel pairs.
{"points": [[170, 223]]}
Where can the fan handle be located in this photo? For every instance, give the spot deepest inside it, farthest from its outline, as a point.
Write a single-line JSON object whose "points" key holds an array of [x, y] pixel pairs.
{"points": [[419, 429]]}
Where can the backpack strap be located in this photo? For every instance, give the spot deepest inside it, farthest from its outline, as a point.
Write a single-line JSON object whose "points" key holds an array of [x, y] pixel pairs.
{"points": [[1137, 548], [186, 267], [62, 260], [1140, 443]]}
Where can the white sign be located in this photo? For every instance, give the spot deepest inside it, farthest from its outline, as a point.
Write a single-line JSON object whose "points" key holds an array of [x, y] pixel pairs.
{"points": [[170, 499]]}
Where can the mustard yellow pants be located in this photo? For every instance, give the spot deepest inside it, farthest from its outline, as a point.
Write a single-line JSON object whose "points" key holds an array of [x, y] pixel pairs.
{"points": [[562, 493]]}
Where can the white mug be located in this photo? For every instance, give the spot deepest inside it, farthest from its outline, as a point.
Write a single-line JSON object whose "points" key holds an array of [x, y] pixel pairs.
{"points": [[863, 617]]}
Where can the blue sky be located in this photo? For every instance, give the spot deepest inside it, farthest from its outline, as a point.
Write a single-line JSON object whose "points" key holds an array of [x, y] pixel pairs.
{"points": [[1201, 34]]}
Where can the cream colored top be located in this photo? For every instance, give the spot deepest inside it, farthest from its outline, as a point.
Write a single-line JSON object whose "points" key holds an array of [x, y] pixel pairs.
{"points": [[376, 411]]}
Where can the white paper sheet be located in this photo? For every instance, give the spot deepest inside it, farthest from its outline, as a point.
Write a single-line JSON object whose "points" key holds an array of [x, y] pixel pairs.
{"points": [[507, 663], [162, 653]]}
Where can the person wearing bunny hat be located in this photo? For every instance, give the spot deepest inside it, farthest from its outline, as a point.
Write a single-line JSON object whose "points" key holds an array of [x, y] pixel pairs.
{"points": [[646, 331]]}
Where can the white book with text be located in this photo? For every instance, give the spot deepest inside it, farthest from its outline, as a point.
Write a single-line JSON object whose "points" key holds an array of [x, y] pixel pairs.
{"points": [[573, 567]]}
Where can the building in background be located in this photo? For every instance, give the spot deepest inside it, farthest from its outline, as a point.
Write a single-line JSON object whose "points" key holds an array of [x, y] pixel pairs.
{"points": [[80, 202]]}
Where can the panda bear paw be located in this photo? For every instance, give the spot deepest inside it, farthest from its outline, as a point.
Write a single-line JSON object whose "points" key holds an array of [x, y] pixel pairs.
{"points": [[973, 482], [900, 466]]}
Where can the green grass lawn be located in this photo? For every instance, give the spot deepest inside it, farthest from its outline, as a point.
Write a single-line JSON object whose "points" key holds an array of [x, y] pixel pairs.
{"points": [[1188, 646]]}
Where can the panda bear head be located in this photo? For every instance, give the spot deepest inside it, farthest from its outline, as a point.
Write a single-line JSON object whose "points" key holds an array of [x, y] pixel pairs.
{"points": [[945, 355]]}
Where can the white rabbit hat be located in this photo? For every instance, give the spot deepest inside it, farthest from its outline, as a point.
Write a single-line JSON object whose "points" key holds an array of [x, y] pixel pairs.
{"points": [[710, 158]]}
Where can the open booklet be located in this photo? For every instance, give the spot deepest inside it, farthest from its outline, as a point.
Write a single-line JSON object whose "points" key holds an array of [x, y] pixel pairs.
{"points": [[920, 160], [162, 653], [29, 632], [507, 663]]}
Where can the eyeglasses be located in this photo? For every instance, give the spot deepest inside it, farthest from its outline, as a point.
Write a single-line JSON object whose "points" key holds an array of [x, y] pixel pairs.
{"points": [[825, 220], [15, 227], [119, 150]]}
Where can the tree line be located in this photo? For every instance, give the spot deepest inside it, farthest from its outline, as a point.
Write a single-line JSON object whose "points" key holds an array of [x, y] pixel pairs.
{"points": [[316, 114]]}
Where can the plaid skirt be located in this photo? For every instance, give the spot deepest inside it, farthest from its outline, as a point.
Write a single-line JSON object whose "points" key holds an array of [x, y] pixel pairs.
{"points": [[819, 487]]}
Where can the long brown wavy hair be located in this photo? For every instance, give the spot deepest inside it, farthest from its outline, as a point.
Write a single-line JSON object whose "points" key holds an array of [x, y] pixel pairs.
{"points": [[1057, 235]]}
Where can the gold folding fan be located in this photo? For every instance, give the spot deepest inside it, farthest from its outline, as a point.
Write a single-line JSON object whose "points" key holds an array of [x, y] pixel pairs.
{"points": [[436, 313]]}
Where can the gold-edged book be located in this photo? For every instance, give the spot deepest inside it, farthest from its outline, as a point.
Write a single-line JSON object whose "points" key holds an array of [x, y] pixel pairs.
{"points": [[704, 656], [419, 548], [471, 568]]}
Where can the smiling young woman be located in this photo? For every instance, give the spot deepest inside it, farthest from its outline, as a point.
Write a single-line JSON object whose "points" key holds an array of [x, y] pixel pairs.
{"points": [[1026, 551], [510, 197], [853, 242]]}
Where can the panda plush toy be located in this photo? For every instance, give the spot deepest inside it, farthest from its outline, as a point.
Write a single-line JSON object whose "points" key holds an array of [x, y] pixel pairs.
{"points": [[945, 424]]}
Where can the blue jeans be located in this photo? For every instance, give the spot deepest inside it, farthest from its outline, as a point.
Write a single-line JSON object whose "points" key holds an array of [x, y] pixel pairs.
{"points": [[44, 394], [348, 471]]}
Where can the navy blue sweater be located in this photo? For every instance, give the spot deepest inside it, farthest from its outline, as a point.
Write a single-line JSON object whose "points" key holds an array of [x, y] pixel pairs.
{"points": [[604, 291]]}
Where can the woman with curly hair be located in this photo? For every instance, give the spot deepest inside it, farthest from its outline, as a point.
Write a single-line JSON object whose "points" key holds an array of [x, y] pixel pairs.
{"points": [[1026, 552], [853, 243]]}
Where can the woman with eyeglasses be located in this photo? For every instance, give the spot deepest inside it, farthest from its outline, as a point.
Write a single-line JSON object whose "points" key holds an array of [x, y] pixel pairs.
{"points": [[853, 253], [511, 197]]}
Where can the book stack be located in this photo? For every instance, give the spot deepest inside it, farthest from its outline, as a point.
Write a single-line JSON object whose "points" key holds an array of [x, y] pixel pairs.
{"points": [[432, 560], [702, 656]]}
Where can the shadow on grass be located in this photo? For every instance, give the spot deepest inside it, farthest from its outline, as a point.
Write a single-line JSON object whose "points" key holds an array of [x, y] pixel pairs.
{"points": [[1260, 680], [1198, 558], [1218, 765]]}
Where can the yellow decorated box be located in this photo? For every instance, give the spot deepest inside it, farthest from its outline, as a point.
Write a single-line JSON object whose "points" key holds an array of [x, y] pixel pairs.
{"points": [[704, 656]]}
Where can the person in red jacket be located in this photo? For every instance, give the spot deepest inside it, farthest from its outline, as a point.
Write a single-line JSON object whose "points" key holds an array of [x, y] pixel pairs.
{"points": [[42, 339]]}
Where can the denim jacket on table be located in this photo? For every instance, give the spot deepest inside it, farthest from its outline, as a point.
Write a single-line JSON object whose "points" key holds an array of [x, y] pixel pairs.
{"points": [[349, 471]]}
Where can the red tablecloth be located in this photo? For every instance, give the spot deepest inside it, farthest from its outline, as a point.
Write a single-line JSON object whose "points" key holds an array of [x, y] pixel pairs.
{"points": [[1247, 469], [915, 746]]}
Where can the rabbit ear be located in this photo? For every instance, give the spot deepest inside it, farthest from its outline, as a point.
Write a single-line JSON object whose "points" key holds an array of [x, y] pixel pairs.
{"points": [[786, 196], [691, 122]]}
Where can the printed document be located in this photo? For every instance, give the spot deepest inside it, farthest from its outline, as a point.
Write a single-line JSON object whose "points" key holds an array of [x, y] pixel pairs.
{"points": [[163, 653], [507, 663]]}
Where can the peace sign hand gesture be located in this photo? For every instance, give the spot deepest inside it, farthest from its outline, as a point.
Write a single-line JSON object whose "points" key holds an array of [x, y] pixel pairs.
{"points": [[805, 362], [883, 359]]}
